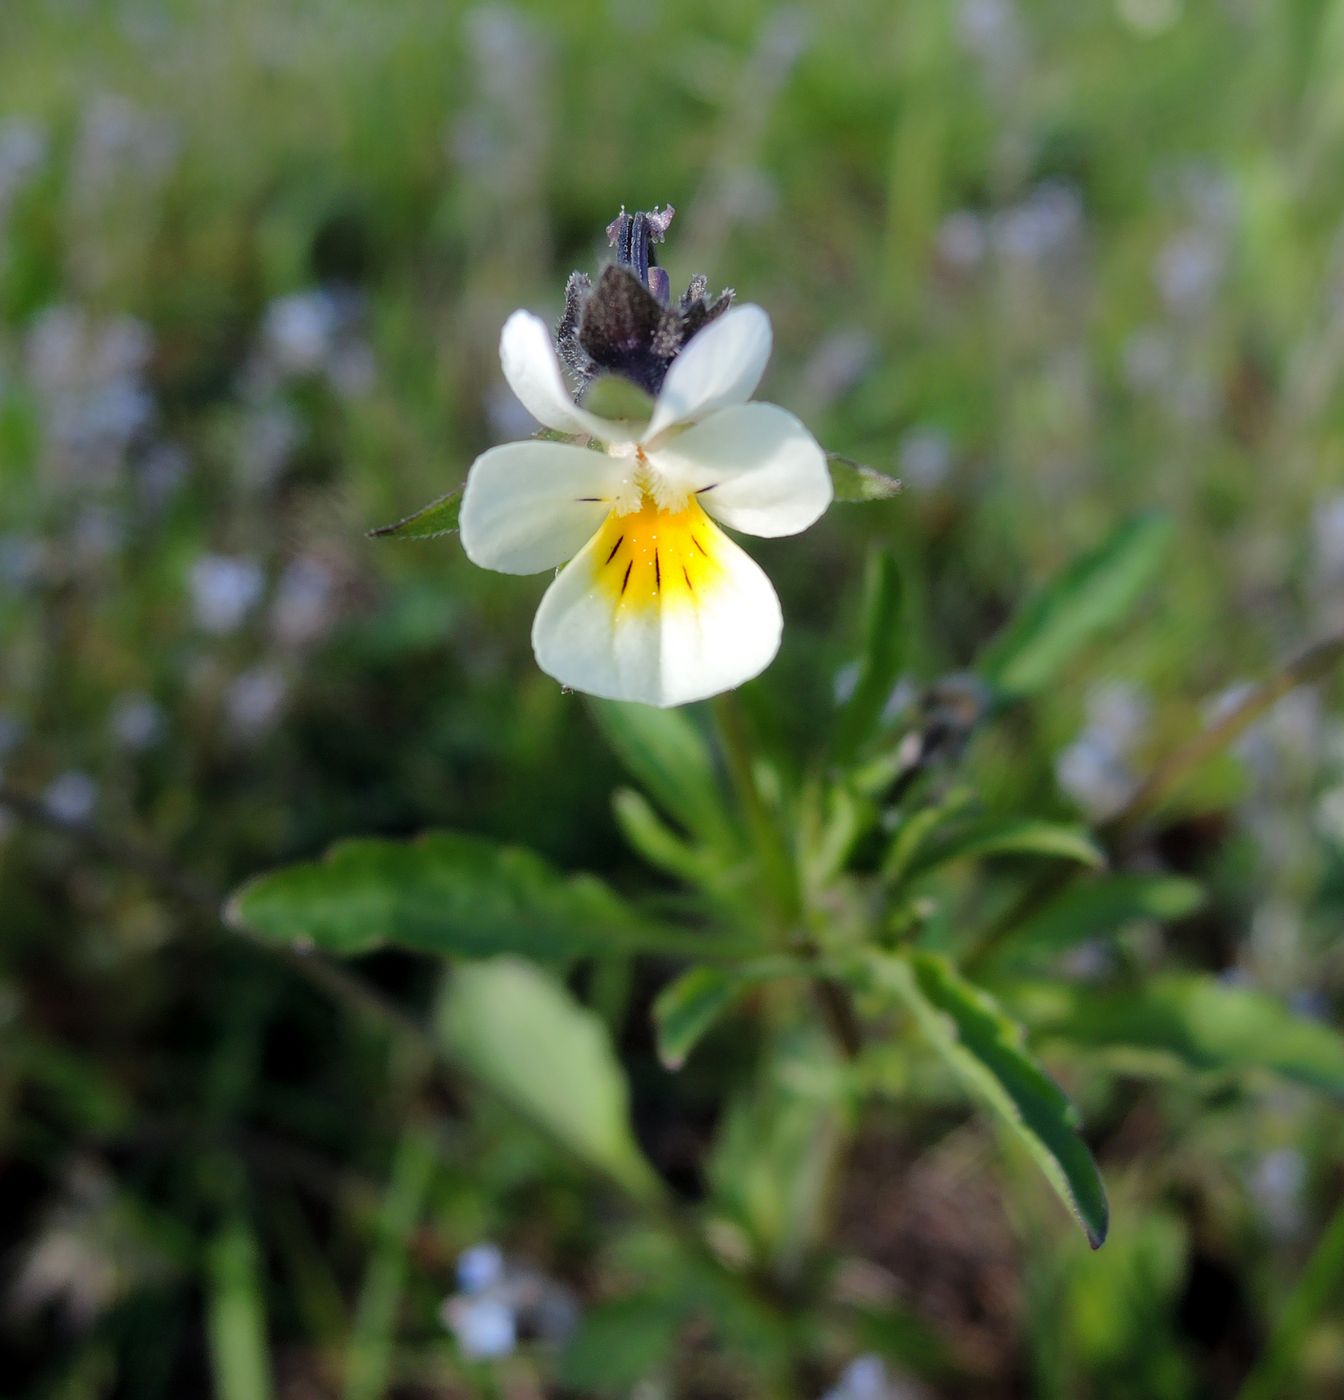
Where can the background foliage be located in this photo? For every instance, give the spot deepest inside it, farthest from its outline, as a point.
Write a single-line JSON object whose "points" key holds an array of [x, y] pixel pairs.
{"points": [[1068, 271]]}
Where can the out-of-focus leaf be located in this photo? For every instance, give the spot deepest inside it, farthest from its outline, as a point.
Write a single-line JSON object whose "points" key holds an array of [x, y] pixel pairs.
{"points": [[446, 893], [237, 1314], [1280, 1364], [1188, 1021], [771, 1163], [1094, 593], [619, 1343], [521, 1035], [1096, 909], [1013, 836], [615, 398], [1117, 1309], [853, 482], [988, 1052], [917, 829], [883, 654], [832, 821], [653, 839], [668, 756], [688, 1006], [373, 1333], [428, 523]]}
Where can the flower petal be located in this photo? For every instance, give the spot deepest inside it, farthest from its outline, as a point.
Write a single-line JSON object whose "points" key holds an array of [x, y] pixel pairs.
{"points": [[658, 608], [529, 506], [721, 364], [527, 354], [753, 467]]}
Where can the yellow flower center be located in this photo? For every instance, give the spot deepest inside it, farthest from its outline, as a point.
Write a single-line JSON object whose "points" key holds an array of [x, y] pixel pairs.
{"points": [[651, 558]]}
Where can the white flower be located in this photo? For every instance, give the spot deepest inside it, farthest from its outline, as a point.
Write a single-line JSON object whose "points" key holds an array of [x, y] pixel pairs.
{"points": [[656, 603]]}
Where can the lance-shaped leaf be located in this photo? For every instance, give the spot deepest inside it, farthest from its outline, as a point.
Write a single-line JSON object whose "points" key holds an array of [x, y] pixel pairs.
{"points": [[1094, 910], [1187, 1022], [689, 1005], [853, 482], [1014, 836], [1094, 593], [988, 1052], [523, 1037], [428, 523], [449, 894], [883, 654]]}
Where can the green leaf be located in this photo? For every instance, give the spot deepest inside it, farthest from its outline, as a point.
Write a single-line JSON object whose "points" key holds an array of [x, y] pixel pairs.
{"points": [[689, 1005], [1315, 1295], [619, 1343], [853, 482], [1094, 910], [988, 1052], [653, 839], [449, 894], [883, 655], [373, 1332], [618, 400], [668, 756], [236, 1314], [521, 1035], [1189, 1022], [917, 829], [437, 518], [1014, 836], [1094, 593], [770, 1169]]}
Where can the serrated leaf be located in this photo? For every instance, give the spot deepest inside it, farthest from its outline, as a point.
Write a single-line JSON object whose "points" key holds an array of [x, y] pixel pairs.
{"points": [[1097, 909], [883, 655], [668, 756], [852, 482], [521, 1035], [1191, 1022], [449, 894], [1094, 593], [428, 523], [988, 1052], [1015, 836]]}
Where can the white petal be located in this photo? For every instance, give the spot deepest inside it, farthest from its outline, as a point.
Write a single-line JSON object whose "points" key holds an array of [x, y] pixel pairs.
{"points": [[754, 467], [527, 354], [662, 628], [529, 506], [720, 365]]}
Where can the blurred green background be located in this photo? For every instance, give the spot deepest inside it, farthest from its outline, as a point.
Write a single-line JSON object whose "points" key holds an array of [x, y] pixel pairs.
{"points": [[1048, 263]]}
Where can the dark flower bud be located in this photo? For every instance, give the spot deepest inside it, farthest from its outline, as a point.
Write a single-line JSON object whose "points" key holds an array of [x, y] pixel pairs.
{"points": [[626, 324]]}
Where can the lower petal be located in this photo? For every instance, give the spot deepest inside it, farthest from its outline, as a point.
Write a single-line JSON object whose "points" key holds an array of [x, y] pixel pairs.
{"points": [[659, 607]]}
